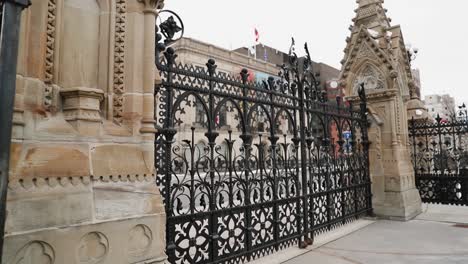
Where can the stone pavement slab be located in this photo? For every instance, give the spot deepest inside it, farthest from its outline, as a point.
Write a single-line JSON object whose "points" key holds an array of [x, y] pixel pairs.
{"points": [[444, 213], [390, 242], [321, 240]]}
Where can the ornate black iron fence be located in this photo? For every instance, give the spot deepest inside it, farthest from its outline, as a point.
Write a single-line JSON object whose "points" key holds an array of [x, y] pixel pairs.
{"points": [[262, 180], [440, 158]]}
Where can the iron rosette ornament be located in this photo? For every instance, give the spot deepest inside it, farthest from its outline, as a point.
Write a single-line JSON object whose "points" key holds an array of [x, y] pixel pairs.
{"points": [[170, 28]]}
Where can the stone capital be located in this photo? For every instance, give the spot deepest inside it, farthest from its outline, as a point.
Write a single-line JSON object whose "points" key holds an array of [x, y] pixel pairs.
{"points": [[152, 5], [81, 107]]}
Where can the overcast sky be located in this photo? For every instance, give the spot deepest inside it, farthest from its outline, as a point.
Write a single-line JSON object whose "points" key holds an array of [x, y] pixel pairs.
{"points": [[438, 28]]}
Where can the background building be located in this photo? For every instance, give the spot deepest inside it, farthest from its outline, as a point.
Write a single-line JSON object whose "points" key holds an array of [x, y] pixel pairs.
{"points": [[442, 105], [327, 75], [229, 65]]}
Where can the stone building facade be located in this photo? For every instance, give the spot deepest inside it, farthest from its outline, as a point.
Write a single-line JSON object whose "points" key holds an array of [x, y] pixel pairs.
{"points": [[195, 53], [326, 73], [82, 180], [230, 63], [375, 55], [442, 105]]}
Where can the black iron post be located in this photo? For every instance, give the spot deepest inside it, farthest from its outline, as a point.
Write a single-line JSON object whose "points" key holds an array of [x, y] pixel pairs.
{"points": [[247, 145], [301, 82], [10, 25], [211, 135], [366, 144]]}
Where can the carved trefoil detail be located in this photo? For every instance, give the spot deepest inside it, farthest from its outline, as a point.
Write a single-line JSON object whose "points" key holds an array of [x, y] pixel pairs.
{"points": [[371, 77], [365, 51], [119, 62], [93, 248], [140, 239], [35, 252]]}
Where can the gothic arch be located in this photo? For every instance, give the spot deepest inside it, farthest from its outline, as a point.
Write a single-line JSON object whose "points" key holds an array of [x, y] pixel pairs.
{"points": [[376, 78]]}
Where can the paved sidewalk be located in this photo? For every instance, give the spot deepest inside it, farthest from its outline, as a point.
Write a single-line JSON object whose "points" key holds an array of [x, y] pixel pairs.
{"points": [[433, 238]]}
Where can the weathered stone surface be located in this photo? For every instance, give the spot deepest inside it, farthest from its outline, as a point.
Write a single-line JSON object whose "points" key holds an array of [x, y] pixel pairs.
{"points": [[46, 203], [375, 60], [136, 240], [119, 160], [78, 112], [137, 196], [51, 160]]}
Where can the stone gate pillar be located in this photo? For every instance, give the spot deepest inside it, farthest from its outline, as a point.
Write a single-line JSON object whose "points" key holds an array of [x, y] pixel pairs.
{"points": [[82, 182], [376, 56]]}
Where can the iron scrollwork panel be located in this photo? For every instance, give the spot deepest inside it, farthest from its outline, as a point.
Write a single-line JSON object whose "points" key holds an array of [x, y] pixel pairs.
{"points": [[440, 158]]}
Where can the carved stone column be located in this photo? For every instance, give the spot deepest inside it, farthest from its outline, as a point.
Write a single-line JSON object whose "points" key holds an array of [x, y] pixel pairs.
{"points": [[150, 12]]}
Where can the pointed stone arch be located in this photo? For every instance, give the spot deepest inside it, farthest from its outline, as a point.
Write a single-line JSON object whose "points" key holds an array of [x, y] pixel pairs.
{"points": [[369, 72], [372, 76]]}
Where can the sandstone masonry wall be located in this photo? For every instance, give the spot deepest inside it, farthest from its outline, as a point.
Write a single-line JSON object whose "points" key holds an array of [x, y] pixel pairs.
{"points": [[82, 181]]}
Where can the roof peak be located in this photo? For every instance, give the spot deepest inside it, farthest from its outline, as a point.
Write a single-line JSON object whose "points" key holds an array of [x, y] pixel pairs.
{"points": [[363, 3], [371, 14]]}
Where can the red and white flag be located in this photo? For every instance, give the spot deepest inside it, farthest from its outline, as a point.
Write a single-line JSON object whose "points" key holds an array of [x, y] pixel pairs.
{"points": [[257, 35]]}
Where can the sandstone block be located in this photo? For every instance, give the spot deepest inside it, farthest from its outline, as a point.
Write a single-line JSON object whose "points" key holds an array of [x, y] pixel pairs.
{"points": [[50, 160], [44, 203], [139, 195], [136, 240], [119, 160]]}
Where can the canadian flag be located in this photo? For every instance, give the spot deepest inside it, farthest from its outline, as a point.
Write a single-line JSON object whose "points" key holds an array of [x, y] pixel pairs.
{"points": [[257, 35]]}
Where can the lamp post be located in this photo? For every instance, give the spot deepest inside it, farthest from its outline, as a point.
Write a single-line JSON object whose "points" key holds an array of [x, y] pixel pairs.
{"points": [[9, 38]]}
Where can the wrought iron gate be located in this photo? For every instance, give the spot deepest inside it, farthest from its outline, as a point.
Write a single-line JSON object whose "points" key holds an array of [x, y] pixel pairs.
{"points": [[284, 165], [440, 158]]}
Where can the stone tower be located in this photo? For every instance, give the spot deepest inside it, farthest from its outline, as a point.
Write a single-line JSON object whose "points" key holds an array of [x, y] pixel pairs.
{"points": [[375, 55]]}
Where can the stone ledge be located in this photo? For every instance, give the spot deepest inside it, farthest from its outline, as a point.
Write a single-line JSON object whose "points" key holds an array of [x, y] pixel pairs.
{"points": [[52, 182]]}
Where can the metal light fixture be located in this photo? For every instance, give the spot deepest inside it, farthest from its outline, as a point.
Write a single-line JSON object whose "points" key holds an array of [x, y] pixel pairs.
{"points": [[412, 52]]}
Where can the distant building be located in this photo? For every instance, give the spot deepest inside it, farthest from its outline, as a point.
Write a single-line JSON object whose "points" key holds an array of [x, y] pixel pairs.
{"points": [[327, 75], [230, 63], [195, 53], [442, 105], [265, 53]]}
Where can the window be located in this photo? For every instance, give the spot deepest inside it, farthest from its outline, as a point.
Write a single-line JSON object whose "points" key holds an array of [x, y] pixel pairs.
{"points": [[200, 115], [221, 118]]}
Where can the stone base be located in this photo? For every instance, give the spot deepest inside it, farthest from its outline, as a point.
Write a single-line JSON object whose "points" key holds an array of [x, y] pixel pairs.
{"points": [[85, 220], [115, 242], [401, 206]]}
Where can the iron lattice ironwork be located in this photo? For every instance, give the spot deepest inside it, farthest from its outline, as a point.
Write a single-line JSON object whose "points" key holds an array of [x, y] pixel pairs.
{"points": [[286, 166], [440, 158]]}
